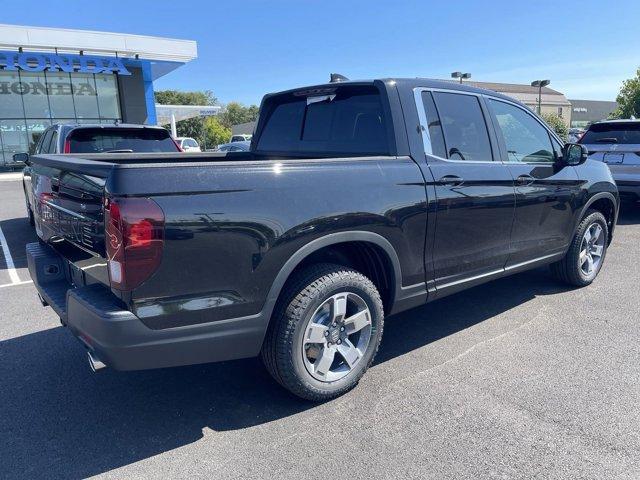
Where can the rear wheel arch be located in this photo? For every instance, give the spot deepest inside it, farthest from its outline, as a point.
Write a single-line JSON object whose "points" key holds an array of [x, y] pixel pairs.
{"points": [[338, 244]]}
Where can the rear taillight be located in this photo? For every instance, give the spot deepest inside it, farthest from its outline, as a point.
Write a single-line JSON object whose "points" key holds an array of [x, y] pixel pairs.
{"points": [[67, 146], [46, 213], [134, 239]]}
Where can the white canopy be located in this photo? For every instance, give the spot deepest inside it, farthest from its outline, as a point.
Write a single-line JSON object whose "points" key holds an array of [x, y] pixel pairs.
{"points": [[174, 113]]}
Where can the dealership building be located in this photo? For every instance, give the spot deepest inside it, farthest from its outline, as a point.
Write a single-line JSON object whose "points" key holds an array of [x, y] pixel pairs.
{"points": [[50, 75]]}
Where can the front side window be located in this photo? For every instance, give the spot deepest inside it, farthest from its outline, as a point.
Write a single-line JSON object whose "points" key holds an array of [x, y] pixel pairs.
{"points": [[465, 131], [524, 138], [44, 143], [35, 129], [53, 146]]}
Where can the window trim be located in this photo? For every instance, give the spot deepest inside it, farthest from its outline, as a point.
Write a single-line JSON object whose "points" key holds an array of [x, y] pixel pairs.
{"points": [[423, 126], [534, 115], [424, 130], [53, 143]]}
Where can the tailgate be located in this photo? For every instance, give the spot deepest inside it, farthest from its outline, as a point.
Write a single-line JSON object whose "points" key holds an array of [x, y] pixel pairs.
{"points": [[68, 211], [69, 206]]}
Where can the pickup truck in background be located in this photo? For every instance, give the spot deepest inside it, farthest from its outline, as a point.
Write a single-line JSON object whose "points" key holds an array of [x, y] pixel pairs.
{"points": [[91, 138], [356, 201]]}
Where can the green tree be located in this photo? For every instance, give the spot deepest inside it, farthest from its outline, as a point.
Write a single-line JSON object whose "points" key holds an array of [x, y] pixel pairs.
{"points": [[235, 113], [176, 97], [216, 132], [557, 124], [628, 99]]}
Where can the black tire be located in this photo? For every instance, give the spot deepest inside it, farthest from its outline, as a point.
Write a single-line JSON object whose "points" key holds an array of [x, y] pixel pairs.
{"points": [[568, 269], [282, 352]]}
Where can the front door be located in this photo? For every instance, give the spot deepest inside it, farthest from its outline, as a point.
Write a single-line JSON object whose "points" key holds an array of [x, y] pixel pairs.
{"points": [[545, 190], [473, 189]]}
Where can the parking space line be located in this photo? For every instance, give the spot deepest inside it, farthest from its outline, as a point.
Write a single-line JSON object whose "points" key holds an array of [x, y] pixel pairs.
{"points": [[11, 268], [10, 177], [16, 284]]}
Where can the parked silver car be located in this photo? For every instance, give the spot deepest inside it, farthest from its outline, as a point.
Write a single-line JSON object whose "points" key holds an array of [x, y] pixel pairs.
{"points": [[617, 143]]}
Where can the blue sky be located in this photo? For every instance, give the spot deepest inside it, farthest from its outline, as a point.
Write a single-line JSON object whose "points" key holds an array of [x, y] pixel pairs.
{"points": [[247, 48]]}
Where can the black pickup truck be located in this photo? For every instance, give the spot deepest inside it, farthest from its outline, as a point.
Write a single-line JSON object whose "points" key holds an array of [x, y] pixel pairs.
{"points": [[357, 200]]}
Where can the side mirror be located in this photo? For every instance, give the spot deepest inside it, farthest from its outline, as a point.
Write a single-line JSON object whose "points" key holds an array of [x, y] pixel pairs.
{"points": [[574, 154], [21, 157]]}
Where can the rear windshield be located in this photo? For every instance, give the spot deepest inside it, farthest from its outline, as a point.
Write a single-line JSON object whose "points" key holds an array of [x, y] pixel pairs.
{"points": [[103, 140], [344, 120], [624, 133]]}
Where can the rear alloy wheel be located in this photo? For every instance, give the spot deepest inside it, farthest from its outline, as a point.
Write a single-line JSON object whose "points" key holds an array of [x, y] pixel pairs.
{"points": [[336, 337], [585, 256], [325, 332]]}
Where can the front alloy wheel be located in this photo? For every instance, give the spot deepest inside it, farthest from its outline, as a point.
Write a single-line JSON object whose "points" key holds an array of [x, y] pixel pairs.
{"points": [[591, 250], [584, 259]]}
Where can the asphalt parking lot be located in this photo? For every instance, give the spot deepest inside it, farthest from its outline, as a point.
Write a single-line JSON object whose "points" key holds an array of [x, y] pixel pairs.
{"points": [[519, 378]]}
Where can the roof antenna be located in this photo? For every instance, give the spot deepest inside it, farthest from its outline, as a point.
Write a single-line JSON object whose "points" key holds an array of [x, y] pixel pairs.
{"points": [[337, 78]]}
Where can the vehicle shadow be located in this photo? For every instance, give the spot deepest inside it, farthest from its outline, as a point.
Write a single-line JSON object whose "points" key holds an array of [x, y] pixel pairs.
{"points": [[18, 233], [629, 214], [59, 418]]}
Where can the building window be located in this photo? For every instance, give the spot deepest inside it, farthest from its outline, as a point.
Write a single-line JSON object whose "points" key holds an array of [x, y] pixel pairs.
{"points": [[32, 101], [560, 112]]}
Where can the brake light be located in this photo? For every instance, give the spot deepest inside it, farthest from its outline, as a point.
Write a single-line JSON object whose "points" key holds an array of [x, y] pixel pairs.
{"points": [[134, 240], [67, 146]]}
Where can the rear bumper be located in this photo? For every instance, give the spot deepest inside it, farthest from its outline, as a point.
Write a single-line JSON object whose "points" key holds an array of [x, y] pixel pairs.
{"points": [[119, 339], [628, 189], [627, 178]]}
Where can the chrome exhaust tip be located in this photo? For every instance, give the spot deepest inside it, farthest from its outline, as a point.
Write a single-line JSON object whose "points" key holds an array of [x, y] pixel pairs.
{"points": [[95, 363]]}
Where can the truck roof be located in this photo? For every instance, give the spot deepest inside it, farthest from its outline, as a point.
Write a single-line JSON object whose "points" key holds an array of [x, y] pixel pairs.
{"points": [[403, 83]]}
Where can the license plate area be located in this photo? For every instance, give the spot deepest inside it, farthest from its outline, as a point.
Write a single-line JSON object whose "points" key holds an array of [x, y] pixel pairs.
{"points": [[613, 158]]}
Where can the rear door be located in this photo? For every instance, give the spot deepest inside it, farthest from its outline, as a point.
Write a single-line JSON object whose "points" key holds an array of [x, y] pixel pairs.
{"points": [[545, 190], [473, 189]]}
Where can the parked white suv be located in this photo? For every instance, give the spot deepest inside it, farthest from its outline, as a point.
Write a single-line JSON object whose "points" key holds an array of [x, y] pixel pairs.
{"points": [[188, 144]]}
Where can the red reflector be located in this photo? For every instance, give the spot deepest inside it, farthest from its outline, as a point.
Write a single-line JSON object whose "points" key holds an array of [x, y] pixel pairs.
{"points": [[67, 146], [134, 239]]}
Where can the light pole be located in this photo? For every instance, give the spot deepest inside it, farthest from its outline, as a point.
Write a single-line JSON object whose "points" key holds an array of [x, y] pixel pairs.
{"points": [[461, 75], [540, 84]]}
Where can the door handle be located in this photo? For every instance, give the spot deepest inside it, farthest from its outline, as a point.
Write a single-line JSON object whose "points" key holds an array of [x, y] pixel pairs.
{"points": [[452, 180], [525, 180]]}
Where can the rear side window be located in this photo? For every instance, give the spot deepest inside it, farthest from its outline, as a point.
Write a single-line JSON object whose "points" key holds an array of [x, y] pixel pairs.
{"points": [[623, 133], [104, 140], [347, 120], [464, 127], [434, 126]]}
